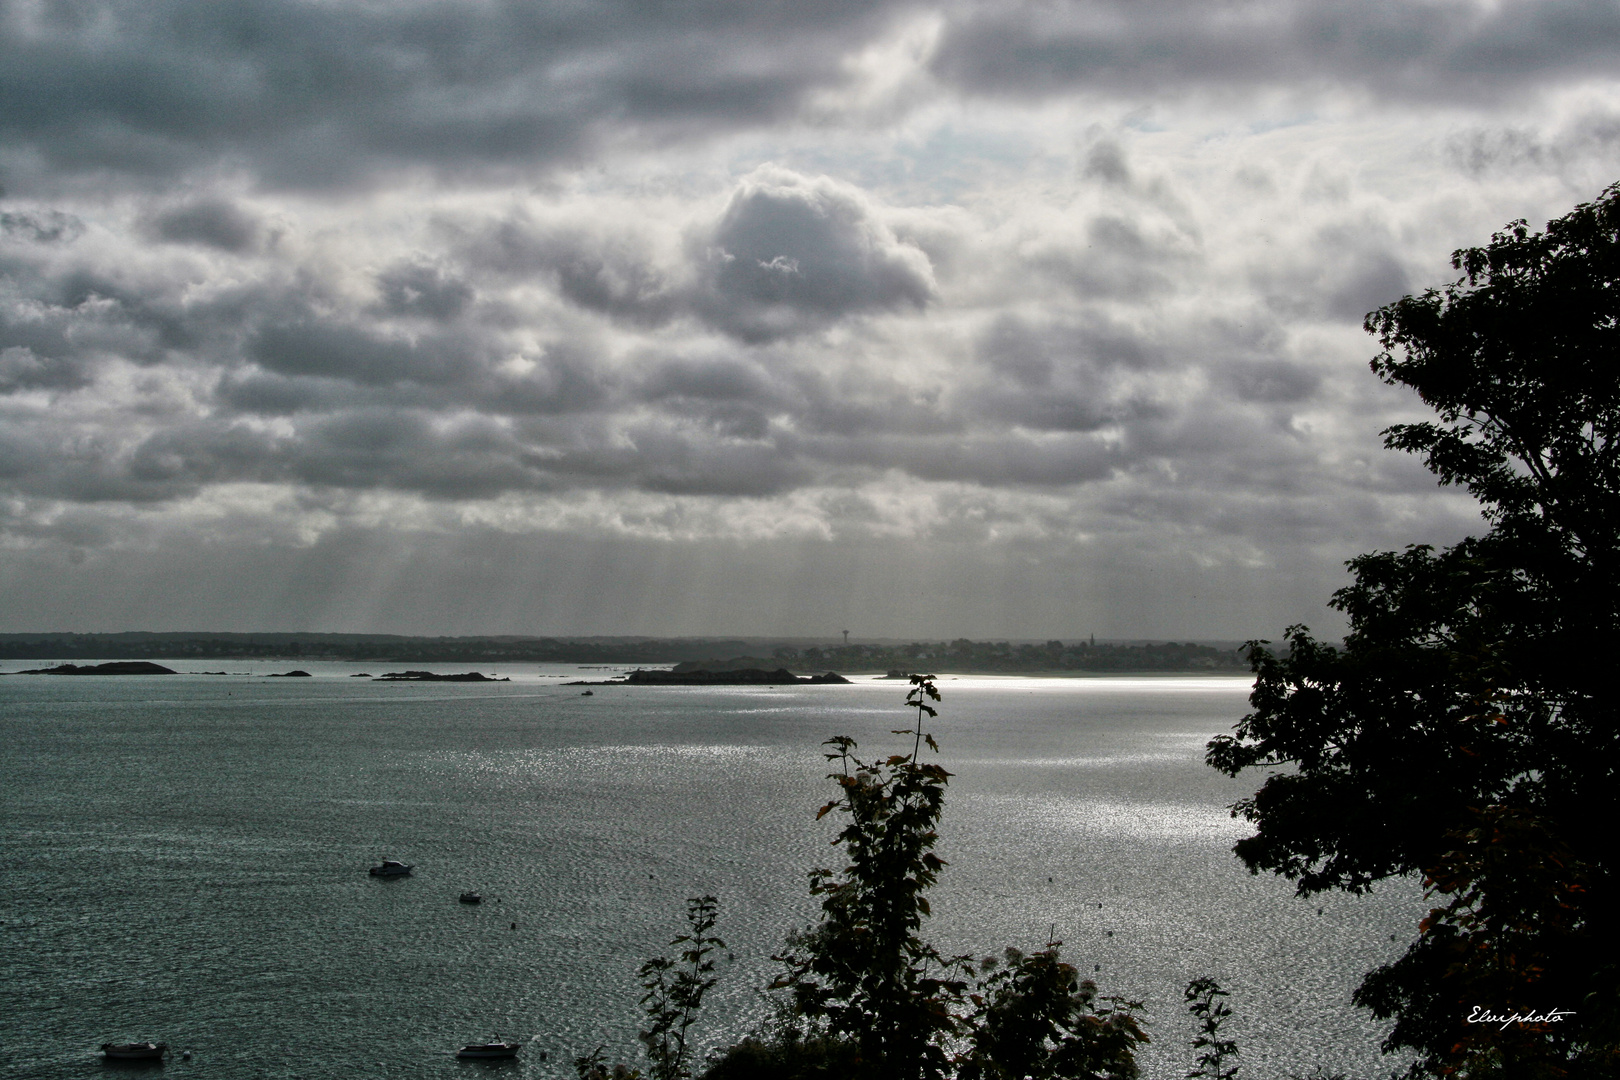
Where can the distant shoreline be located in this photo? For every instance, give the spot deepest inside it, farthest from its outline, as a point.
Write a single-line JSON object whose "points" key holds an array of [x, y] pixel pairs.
{"points": [[1066, 658], [853, 675]]}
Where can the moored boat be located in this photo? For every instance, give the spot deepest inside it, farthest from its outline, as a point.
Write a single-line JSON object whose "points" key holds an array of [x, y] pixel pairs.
{"points": [[490, 1050], [391, 868], [141, 1051]]}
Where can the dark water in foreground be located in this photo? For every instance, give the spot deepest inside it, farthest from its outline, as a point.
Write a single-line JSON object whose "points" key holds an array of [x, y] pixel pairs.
{"points": [[183, 859]]}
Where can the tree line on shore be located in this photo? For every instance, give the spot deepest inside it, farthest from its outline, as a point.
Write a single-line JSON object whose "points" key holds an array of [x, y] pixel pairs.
{"points": [[959, 655]]}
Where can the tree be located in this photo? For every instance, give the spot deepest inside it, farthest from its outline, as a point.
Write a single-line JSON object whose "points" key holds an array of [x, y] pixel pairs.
{"points": [[1466, 731], [676, 988], [1200, 996], [864, 975], [876, 1000], [1036, 1019]]}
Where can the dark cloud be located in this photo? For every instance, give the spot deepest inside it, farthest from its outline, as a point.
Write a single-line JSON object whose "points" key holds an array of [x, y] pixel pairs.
{"points": [[722, 379], [609, 272], [457, 458], [362, 355], [1454, 50], [266, 394], [319, 368], [1056, 376], [1368, 281], [1106, 161], [790, 254], [425, 290], [41, 226], [1481, 151], [1268, 381], [310, 95], [22, 369], [1347, 270], [212, 222], [314, 95], [1118, 257], [793, 253]]}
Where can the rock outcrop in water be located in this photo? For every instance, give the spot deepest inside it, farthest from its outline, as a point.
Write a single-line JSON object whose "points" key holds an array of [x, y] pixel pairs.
{"points": [[428, 676], [116, 667]]}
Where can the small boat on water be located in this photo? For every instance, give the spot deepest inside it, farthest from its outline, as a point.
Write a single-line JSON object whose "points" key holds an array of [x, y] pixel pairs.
{"points": [[470, 897], [391, 868], [141, 1051], [490, 1050]]}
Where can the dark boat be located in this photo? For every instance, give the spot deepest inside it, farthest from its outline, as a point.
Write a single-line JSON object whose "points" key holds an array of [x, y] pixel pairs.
{"points": [[490, 1050], [471, 898], [391, 868], [141, 1051]]}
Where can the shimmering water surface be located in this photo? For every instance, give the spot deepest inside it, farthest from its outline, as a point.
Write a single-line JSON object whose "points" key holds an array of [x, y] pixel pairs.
{"points": [[183, 858]]}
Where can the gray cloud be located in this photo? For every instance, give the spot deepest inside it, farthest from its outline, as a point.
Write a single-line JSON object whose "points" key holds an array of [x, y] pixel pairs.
{"points": [[792, 253], [425, 290], [611, 273], [789, 255], [1269, 381], [1062, 376], [1590, 138], [213, 222], [760, 276], [41, 226], [361, 355], [23, 369], [1454, 50], [315, 95]]}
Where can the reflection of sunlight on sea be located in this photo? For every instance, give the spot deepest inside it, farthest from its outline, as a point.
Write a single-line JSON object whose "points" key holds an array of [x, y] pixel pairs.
{"points": [[574, 759], [1099, 761], [234, 831], [1109, 684], [1084, 819]]}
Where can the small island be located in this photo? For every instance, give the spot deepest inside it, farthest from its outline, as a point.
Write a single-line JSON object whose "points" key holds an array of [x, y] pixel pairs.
{"points": [[734, 677], [428, 676], [116, 667]]}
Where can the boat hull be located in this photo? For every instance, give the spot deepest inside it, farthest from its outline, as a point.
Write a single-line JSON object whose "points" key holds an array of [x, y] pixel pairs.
{"points": [[133, 1051], [490, 1050]]}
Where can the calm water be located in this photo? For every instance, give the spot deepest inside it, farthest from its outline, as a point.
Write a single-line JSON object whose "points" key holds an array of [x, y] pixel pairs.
{"points": [[183, 858]]}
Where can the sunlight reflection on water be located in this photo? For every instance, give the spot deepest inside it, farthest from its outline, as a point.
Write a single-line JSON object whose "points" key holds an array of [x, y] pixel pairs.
{"points": [[187, 860]]}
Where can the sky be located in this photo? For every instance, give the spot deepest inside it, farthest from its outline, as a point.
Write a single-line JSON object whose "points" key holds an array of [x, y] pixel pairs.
{"points": [[745, 317]]}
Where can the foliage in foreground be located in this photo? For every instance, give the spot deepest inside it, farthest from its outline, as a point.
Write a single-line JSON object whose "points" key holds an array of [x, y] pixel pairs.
{"points": [[1466, 731], [862, 995]]}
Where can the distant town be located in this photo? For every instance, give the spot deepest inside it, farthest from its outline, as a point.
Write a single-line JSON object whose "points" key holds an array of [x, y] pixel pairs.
{"points": [[808, 655]]}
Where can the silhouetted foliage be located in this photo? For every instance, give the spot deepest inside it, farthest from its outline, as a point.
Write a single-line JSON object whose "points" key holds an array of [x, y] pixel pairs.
{"points": [[1200, 996], [864, 997], [785, 1057], [868, 997], [1466, 730], [864, 974], [1035, 1018], [675, 990]]}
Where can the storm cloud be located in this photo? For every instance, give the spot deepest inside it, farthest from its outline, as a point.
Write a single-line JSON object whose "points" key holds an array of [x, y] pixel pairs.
{"points": [[1039, 319]]}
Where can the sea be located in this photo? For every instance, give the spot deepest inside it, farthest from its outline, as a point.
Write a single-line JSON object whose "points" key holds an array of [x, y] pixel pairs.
{"points": [[184, 858]]}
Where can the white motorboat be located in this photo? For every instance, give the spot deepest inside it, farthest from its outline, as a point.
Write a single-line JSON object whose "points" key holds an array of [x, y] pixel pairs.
{"points": [[391, 868]]}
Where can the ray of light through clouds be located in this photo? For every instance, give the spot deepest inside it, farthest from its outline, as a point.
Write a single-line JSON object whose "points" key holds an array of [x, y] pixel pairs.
{"points": [[738, 316]]}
